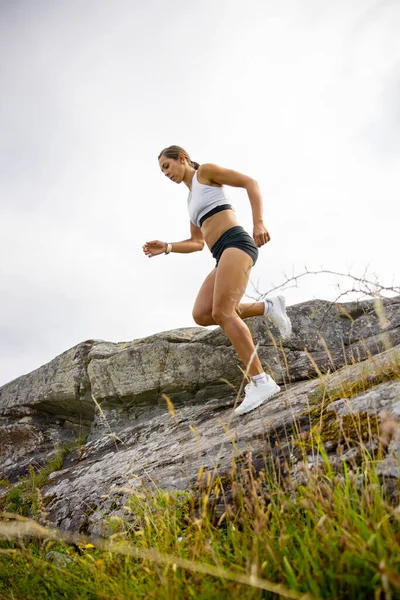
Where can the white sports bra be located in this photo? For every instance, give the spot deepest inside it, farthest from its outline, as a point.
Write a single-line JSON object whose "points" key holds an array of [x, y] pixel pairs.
{"points": [[205, 200]]}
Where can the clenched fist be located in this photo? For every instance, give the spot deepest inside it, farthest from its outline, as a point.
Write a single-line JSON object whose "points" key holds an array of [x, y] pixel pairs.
{"points": [[260, 234]]}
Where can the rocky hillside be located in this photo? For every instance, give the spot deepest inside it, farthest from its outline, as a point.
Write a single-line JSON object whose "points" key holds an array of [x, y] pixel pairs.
{"points": [[158, 411]]}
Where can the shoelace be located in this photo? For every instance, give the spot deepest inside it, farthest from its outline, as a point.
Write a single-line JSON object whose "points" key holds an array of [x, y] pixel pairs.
{"points": [[249, 385]]}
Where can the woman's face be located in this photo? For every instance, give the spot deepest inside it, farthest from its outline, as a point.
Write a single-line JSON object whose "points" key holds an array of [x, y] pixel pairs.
{"points": [[173, 169]]}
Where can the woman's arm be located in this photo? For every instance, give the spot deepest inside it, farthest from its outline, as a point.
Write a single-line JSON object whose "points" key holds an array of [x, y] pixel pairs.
{"points": [[193, 244], [216, 174]]}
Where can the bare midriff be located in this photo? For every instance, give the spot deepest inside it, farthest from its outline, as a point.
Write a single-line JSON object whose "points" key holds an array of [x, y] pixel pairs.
{"points": [[215, 226]]}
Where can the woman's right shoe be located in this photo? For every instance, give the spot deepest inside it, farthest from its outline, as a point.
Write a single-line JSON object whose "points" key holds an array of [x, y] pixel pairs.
{"points": [[278, 316]]}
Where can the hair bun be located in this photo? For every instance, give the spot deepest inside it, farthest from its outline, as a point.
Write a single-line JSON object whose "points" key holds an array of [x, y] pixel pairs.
{"points": [[174, 152]]}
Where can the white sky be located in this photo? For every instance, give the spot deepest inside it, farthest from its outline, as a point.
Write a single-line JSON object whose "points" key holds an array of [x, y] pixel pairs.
{"points": [[303, 96]]}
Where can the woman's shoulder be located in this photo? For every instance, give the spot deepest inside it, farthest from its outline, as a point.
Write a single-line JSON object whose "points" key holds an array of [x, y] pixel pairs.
{"points": [[220, 176], [206, 173]]}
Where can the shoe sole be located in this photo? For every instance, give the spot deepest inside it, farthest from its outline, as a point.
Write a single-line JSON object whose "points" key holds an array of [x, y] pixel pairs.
{"points": [[261, 401], [282, 302]]}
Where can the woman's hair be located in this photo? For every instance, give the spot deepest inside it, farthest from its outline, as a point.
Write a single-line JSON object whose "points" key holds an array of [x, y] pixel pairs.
{"points": [[174, 152]]}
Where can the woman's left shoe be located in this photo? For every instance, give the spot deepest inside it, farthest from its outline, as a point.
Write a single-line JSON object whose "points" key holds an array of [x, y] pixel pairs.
{"points": [[255, 395], [278, 316]]}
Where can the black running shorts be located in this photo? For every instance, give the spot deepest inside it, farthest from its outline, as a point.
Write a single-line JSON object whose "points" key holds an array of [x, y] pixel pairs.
{"points": [[235, 237]]}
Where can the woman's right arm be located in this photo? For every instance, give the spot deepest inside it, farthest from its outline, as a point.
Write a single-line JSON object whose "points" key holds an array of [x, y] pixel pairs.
{"points": [[193, 244]]}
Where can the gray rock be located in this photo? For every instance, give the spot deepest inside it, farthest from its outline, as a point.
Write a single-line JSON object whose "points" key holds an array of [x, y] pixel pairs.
{"points": [[390, 465], [384, 397], [61, 560], [117, 393]]}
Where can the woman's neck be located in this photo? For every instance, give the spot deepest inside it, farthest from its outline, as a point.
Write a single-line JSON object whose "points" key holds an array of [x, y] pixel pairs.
{"points": [[187, 180]]}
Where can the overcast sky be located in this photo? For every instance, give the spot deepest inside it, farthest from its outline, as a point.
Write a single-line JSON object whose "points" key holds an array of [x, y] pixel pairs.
{"points": [[304, 96]]}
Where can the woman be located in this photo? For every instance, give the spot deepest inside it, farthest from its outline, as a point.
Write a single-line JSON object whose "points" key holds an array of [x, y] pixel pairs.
{"points": [[213, 221]]}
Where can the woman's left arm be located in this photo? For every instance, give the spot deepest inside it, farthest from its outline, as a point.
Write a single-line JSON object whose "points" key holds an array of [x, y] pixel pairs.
{"points": [[216, 174]]}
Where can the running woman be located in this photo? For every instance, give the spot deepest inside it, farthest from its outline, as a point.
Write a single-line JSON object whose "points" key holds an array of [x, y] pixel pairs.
{"points": [[213, 221]]}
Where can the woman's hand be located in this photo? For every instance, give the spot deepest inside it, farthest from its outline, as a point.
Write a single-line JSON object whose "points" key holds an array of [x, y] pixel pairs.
{"points": [[260, 234], [154, 248]]}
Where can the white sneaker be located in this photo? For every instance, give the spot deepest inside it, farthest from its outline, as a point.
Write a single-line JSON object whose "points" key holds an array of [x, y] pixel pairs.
{"points": [[255, 395], [279, 317]]}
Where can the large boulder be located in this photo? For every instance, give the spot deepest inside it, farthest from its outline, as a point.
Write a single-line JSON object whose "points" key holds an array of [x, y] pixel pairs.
{"points": [[158, 410]]}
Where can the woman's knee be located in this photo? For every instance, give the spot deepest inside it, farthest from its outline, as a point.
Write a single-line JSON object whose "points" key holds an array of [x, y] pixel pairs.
{"points": [[202, 319], [221, 314]]}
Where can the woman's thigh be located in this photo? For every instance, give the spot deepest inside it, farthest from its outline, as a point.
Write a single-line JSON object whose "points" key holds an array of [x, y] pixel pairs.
{"points": [[202, 309], [231, 280]]}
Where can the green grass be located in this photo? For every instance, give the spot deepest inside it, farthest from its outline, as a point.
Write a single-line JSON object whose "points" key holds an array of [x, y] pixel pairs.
{"points": [[335, 537], [25, 498]]}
